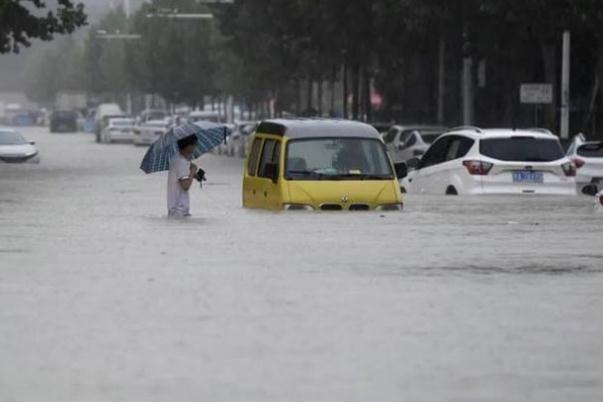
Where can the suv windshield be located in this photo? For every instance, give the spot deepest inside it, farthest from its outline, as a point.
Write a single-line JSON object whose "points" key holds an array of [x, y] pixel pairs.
{"points": [[594, 150], [522, 149], [11, 138], [337, 159]]}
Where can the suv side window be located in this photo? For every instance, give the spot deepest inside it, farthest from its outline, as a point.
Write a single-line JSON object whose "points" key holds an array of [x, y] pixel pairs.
{"points": [[458, 147], [436, 154], [270, 154], [252, 164]]}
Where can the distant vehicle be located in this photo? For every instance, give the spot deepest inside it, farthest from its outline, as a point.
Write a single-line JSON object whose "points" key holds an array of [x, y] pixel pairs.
{"points": [[104, 112], [14, 148], [152, 114], [63, 121], [382, 127], [588, 158], [238, 141], [497, 161], [329, 165], [118, 130], [408, 142], [149, 132], [204, 115]]}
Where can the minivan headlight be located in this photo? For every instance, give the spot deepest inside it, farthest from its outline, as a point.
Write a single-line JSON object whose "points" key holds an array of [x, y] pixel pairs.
{"points": [[298, 207], [390, 207]]}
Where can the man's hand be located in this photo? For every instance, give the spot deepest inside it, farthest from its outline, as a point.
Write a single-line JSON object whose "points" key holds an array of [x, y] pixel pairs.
{"points": [[193, 170]]}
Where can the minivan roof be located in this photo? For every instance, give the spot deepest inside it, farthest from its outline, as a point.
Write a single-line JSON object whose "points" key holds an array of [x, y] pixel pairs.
{"points": [[315, 128]]}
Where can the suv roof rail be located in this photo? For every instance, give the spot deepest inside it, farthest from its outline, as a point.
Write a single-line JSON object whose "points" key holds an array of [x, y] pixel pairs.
{"points": [[541, 130], [472, 128]]}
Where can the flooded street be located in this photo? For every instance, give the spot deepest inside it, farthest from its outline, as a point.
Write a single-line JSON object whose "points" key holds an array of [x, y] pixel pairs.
{"points": [[455, 299]]}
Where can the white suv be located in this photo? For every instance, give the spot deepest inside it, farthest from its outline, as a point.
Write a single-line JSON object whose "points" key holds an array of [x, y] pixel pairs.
{"points": [[469, 160], [588, 158]]}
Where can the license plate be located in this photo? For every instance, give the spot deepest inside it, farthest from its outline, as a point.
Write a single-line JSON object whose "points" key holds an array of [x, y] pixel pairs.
{"points": [[528, 177]]}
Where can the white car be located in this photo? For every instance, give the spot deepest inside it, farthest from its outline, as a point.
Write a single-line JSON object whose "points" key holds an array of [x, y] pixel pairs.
{"points": [[470, 160], [118, 130], [588, 158], [149, 132], [407, 142], [14, 148], [239, 139]]}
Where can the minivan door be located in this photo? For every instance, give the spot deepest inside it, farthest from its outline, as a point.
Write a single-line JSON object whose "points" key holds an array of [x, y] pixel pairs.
{"points": [[251, 183], [269, 194]]}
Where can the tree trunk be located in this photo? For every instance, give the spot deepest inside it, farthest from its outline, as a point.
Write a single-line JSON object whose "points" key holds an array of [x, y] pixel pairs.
{"points": [[549, 53], [319, 100], [345, 90], [368, 107]]}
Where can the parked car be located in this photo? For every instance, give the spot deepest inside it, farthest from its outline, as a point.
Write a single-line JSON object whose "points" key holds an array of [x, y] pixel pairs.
{"points": [[63, 121], [239, 139], [329, 165], [118, 130], [14, 148], [104, 112], [149, 132], [382, 127], [407, 142], [497, 161], [588, 158], [152, 114]]}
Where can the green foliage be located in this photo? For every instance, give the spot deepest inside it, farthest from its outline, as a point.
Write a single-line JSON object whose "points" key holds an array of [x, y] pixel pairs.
{"points": [[18, 24]]}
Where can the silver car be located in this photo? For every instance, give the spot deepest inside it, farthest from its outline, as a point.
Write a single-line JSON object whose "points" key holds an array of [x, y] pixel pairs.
{"points": [[408, 142], [14, 148]]}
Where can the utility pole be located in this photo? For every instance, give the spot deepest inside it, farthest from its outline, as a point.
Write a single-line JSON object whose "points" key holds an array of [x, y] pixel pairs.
{"points": [[565, 86], [441, 79]]}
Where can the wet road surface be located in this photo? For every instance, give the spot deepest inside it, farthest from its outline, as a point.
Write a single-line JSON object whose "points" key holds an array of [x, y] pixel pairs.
{"points": [[456, 299]]}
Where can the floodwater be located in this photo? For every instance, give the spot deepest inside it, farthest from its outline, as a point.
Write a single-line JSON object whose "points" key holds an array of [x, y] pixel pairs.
{"points": [[455, 299]]}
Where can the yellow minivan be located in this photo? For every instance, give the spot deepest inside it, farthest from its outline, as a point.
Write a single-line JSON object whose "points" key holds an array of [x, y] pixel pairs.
{"points": [[329, 165]]}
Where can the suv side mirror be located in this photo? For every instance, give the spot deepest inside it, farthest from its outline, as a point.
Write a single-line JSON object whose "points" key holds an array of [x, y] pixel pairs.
{"points": [[271, 172], [401, 170], [32, 143]]}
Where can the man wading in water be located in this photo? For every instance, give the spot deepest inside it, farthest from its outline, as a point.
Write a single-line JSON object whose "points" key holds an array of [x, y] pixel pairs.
{"points": [[180, 179]]}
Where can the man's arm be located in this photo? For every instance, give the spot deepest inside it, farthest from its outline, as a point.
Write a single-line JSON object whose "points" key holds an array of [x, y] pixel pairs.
{"points": [[187, 182]]}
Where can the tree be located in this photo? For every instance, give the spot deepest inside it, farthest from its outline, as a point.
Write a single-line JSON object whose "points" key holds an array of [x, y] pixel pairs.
{"points": [[18, 24]]}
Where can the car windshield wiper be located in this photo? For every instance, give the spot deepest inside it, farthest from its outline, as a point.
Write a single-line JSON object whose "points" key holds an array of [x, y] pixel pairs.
{"points": [[361, 176], [307, 173]]}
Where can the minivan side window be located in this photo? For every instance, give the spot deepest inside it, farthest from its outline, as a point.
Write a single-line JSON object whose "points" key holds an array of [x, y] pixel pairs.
{"points": [[458, 147], [270, 154], [252, 164], [436, 153]]}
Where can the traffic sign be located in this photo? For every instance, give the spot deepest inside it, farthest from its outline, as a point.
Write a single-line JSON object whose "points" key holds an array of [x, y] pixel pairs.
{"points": [[536, 93]]}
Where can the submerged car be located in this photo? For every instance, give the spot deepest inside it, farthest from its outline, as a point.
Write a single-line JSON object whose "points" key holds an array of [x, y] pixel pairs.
{"points": [[149, 132], [588, 158], [408, 142], [328, 165], [14, 148], [119, 129], [496, 161]]}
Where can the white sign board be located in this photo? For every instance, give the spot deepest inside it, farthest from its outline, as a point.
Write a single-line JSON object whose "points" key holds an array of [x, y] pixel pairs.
{"points": [[536, 93]]}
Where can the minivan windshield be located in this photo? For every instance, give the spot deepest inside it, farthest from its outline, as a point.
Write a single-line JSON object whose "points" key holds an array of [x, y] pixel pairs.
{"points": [[522, 149], [337, 159]]}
